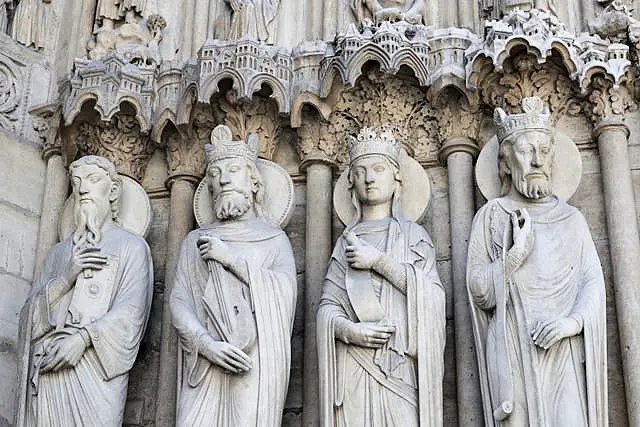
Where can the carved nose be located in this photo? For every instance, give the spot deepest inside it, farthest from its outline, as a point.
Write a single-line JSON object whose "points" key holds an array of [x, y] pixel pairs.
{"points": [[536, 159], [369, 177]]}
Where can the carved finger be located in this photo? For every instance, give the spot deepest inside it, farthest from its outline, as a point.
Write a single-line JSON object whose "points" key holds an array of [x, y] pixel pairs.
{"points": [[222, 363], [540, 326], [547, 331], [236, 363], [241, 355], [91, 265], [95, 259]]}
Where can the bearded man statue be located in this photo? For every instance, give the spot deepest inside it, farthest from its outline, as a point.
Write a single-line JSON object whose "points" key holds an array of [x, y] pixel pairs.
{"points": [[233, 299], [536, 290], [90, 308]]}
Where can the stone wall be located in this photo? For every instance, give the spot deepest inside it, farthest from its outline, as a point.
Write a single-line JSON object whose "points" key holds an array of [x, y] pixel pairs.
{"points": [[22, 174]]}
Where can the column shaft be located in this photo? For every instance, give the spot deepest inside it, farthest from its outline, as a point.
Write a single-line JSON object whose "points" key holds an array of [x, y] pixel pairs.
{"points": [[55, 193], [318, 249], [459, 153], [624, 244], [181, 222]]}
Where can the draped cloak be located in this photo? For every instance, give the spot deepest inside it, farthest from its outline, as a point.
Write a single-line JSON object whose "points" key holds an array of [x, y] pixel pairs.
{"points": [[564, 385], [93, 393], [208, 395], [400, 383]]}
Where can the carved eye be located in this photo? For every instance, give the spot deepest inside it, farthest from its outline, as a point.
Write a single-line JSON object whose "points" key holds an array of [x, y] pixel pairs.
{"points": [[379, 168], [234, 169]]}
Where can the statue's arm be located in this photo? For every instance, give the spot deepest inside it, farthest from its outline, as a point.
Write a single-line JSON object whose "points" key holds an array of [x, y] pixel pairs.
{"points": [[392, 270], [183, 310], [480, 269]]}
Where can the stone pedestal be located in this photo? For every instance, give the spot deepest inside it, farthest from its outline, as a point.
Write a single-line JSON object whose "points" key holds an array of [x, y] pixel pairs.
{"points": [[624, 243], [458, 154]]}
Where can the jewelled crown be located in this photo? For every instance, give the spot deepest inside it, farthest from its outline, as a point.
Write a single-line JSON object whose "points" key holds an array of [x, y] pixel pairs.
{"points": [[535, 116], [370, 142], [223, 146]]}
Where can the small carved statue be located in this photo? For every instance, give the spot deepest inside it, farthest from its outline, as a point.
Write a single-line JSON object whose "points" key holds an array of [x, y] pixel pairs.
{"points": [[30, 23], [495, 9], [250, 18], [233, 299], [5, 5], [89, 309], [381, 319], [536, 290], [411, 11]]}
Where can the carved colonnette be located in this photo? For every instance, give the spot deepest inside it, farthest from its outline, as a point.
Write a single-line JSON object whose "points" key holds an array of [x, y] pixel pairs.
{"points": [[434, 88]]}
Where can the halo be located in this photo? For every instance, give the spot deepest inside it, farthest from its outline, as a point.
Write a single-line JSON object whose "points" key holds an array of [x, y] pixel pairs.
{"points": [[416, 191], [135, 210], [278, 196], [565, 174]]}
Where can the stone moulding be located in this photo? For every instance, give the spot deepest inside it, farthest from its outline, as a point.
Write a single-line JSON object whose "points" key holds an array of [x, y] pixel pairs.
{"points": [[439, 58], [540, 33]]}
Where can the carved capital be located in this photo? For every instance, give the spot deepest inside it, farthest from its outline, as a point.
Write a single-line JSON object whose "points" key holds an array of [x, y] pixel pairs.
{"points": [[260, 115], [46, 121], [456, 121], [185, 158], [523, 76], [458, 144], [608, 102], [315, 144], [119, 140]]}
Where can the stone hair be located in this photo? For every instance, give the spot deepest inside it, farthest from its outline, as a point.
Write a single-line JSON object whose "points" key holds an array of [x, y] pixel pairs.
{"points": [[112, 172]]}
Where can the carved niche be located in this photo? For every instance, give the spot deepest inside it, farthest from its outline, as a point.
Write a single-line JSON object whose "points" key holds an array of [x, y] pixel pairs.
{"points": [[119, 140], [10, 95], [522, 76], [394, 102]]}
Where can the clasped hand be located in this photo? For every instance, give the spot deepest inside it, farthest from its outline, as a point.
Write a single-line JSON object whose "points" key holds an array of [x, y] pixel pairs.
{"points": [[83, 258], [359, 253], [64, 353], [368, 334], [225, 355], [547, 333], [213, 249]]}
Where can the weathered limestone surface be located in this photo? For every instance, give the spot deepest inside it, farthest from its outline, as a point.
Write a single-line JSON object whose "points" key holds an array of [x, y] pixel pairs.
{"points": [[147, 88]]}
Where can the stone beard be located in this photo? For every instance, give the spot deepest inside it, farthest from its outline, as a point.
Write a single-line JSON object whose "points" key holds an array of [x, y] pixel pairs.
{"points": [[105, 305], [234, 310]]}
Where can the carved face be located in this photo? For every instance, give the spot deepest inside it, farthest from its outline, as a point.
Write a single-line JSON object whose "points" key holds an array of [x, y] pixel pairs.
{"points": [[373, 179], [231, 186], [530, 164], [93, 189]]}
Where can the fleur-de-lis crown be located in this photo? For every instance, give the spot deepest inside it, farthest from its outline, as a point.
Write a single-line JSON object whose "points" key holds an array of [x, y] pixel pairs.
{"points": [[371, 142], [535, 116], [223, 146]]}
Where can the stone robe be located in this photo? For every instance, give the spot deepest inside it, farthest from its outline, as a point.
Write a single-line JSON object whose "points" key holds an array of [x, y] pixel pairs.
{"points": [[209, 396], [399, 384], [113, 306], [565, 385], [30, 23], [252, 20]]}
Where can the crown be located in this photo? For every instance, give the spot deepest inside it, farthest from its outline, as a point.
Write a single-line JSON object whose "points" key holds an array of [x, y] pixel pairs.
{"points": [[535, 116], [370, 142], [223, 146]]}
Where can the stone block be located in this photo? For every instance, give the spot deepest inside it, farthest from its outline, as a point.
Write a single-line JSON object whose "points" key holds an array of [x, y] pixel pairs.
{"points": [[14, 291], [18, 239], [22, 172]]}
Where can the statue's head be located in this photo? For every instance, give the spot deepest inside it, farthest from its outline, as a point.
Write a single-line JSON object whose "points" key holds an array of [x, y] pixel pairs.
{"points": [[374, 172], [527, 148], [96, 188], [233, 178]]}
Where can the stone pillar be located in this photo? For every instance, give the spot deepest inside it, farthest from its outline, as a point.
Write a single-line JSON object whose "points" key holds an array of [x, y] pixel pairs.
{"points": [[609, 105], [318, 247], [46, 122], [186, 167], [458, 153]]}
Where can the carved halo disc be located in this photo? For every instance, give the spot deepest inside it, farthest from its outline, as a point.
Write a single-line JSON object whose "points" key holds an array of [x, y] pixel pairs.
{"points": [[135, 210], [416, 191], [278, 197], [565, 175]]}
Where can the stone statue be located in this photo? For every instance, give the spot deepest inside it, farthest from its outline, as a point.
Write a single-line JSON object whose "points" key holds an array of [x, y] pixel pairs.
{"points": [[412, 11], [108, 10], [536, 290], [250, 18], [89, 309], [5, 5], [30, 23], [497, 8], [381, 319], [233, 299]]}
